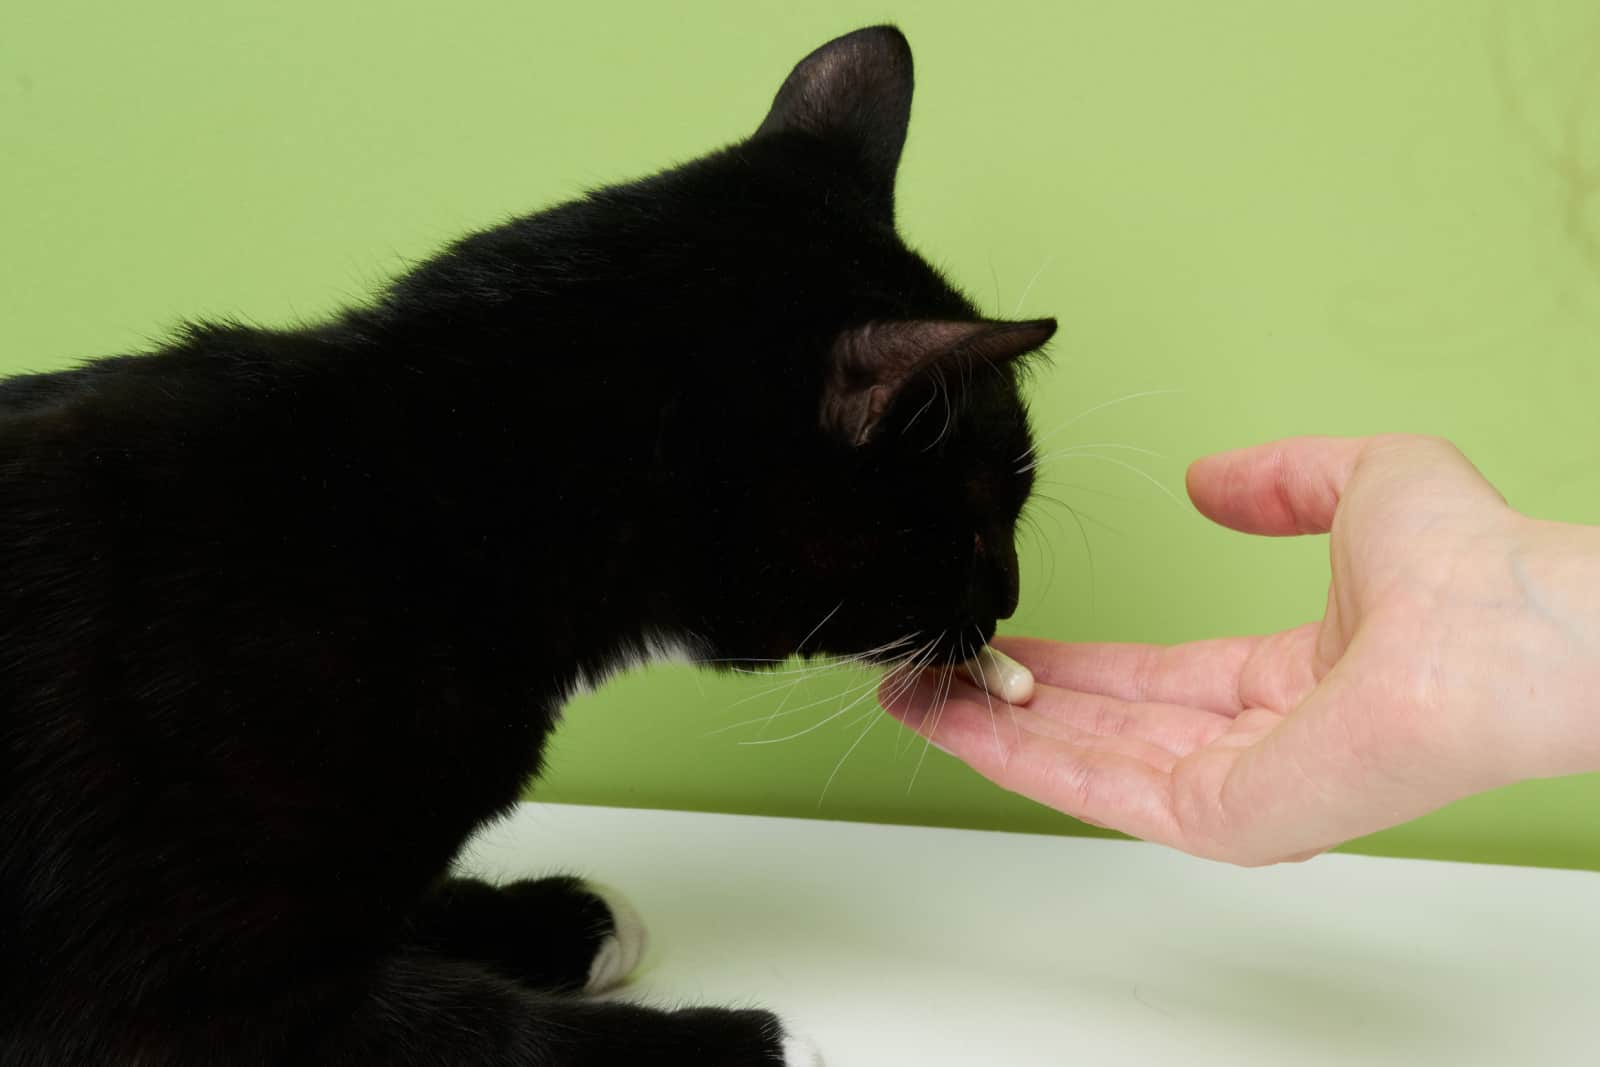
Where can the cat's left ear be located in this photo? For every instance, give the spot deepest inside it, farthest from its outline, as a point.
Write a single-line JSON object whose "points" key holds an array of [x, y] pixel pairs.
{"points": [[870, 365], [854, 91]]}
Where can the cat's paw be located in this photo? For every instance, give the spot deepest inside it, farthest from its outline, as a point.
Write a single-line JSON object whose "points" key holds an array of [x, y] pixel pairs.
{"points": [[799, 1052], [622, 949]]}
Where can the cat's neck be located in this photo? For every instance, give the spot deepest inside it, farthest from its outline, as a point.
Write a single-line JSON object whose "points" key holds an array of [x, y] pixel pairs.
{"points": [[524, 468]]}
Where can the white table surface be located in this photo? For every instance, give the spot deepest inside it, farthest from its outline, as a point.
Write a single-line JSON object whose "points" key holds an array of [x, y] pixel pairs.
{"points": [[907, 945]]}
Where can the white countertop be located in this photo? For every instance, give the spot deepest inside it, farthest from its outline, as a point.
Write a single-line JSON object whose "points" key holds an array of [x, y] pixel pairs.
{"points": [[908, 945]]}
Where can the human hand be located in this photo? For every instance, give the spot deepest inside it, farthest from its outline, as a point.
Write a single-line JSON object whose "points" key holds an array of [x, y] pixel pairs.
{"points": [[1460, 651]]}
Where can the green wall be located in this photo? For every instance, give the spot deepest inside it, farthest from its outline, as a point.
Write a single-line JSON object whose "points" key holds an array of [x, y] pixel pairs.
{"points": [[1252, 219]]}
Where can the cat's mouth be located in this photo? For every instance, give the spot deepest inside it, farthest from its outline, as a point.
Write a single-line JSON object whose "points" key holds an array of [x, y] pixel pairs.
{"points": [[920, 648]]}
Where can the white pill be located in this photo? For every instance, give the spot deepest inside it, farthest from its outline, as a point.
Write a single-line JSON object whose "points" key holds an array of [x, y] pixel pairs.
{"points": [[997, 673]]}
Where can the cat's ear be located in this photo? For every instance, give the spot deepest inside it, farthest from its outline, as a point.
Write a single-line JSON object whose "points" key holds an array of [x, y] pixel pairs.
{"points": [[869, 365], [856, 91]]}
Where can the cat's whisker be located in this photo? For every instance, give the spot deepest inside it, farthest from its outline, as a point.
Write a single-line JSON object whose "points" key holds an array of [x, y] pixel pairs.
{"points": [[817, 667], [1078, 488], [1077, 513], [767, 691], [983, 684], [848, 690], [1090, 411], [941, 696], [1146, 475], [1047, 547], [1083, 537], [905, 673], [912, 673], [863, 659], [872, 720], [802, 668], [791, 686], [999, 751], [865, 691], [1039, 460], [895, 664], [865, 656], [777, 712], [936, 712], [800, 647]]}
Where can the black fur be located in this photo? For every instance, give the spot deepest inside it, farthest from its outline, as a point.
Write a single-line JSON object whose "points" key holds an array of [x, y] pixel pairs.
{"points": [[286, 615]]}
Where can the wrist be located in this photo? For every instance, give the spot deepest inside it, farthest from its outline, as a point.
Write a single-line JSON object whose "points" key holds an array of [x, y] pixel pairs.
{"points": [[1552, 682]]}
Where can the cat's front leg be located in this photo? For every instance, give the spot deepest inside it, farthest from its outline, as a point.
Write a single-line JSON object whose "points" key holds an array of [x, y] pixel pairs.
{"points": [[560, 934], [427, 1010]]}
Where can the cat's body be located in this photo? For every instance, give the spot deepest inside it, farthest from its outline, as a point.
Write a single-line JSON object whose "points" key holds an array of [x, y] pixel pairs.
{"points": [[285, 616]]}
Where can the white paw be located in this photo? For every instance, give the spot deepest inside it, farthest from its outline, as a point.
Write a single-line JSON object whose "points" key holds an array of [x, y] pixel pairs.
{"points": [[622, 950], [798, 1052]]}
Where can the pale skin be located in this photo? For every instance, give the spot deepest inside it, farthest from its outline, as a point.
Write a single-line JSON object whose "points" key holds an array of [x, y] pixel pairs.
{"points": [[1459, 651]]}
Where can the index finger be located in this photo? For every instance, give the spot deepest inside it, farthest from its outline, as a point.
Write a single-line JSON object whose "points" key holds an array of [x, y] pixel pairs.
{"points": [[1200, 674]]}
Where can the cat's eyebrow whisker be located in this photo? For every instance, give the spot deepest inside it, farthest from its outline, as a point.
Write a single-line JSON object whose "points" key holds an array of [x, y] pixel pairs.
{"points": [[1029, 287], [926, 404], [949, 408], [1090, 411]]}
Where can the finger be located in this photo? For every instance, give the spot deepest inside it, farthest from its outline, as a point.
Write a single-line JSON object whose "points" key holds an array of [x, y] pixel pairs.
{"points": [[1279, 489], [1202, 674], [1172, 728], [1223, 676]]}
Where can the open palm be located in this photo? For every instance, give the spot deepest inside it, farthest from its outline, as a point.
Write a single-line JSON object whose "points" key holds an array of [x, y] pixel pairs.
{"points": [[1262, 749]]}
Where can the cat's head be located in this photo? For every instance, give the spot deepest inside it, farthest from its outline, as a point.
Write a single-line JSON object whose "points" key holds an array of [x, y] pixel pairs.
{"points": [[844, 466]]}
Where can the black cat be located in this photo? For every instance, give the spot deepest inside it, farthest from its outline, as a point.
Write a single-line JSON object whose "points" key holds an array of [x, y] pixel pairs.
{"points": [[286, 615]]}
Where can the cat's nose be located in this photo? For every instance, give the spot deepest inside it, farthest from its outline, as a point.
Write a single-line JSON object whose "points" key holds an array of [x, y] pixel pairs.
{"points": [[994, 588]]}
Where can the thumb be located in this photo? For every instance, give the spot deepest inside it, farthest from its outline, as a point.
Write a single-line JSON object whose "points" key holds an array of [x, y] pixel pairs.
{"points": [[1294, 486], [1279, 489]]}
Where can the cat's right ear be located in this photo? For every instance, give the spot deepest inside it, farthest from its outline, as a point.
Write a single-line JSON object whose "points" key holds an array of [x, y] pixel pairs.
{"points": [[870, 365], [854, 91]]}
